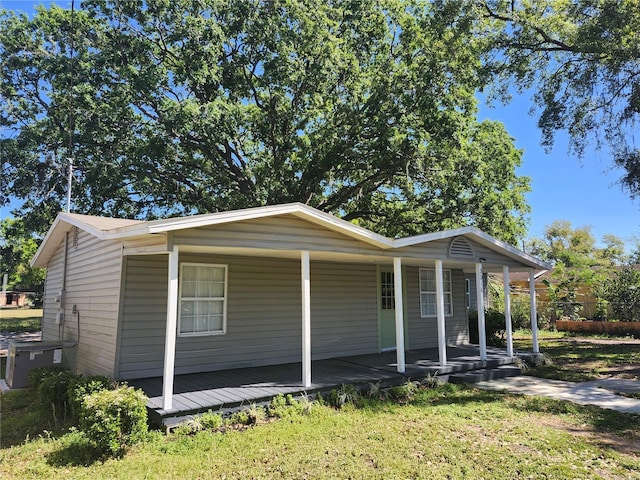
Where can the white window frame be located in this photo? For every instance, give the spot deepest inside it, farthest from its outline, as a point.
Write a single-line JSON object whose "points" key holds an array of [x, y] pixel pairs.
{"points": [[445, 292], [223, 331]]}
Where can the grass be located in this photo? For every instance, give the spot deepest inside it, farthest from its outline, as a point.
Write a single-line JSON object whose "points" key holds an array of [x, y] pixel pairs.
{"points": [[447, 432], [20, 320], [579, 359]]}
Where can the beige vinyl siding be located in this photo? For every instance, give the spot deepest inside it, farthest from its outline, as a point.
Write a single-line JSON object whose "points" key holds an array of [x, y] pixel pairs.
{"points": [[144, 313], [263, 315], [344, 318], [439, 249], [282, 233], [52, 287], [423, 332], [93, 286], [148, 244]]}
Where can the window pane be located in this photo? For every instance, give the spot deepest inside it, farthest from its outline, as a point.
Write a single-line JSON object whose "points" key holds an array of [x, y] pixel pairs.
{"points": [[204, 274], [189, 273], [201, 309], [427, 280], [187, 315], [217, 289], [446, 280], [428, 292], [217, 274], [215, 323], [428, 304]]}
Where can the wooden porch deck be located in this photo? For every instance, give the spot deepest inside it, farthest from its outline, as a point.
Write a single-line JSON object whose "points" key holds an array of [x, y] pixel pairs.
{"points": [[228, 389]]}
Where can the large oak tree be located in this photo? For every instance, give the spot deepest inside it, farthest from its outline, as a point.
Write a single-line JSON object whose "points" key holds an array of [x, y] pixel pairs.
{"points": [[363, 109], [581, 58]]}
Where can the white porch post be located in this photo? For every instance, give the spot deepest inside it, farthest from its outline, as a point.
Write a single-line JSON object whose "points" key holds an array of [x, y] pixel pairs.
{"points": [[306, 318], [534, 315], [442, 336], [507, 309], [482, 334], [170, 335], [399, 309]]}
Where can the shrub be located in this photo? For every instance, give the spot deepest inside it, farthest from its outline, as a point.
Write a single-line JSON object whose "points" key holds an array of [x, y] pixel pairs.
{"points": [[51, 385], [623, 293], [240, 418], [431, 380], [114, 419], [405, 392], [284, 407], [346, 394], [495, 327], [79, 387], [375, 391], [211, 420], [38, 374]]}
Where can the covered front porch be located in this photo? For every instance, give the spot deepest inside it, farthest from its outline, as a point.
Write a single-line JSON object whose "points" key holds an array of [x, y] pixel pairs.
{"points": [[229, 389]]}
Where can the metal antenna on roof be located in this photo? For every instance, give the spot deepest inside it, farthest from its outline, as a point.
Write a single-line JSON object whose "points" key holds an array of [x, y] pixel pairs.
{"points": [[69, 182], [71, 114]]}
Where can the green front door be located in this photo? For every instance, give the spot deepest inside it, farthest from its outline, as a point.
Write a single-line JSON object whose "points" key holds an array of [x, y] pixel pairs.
{"points": [[386, 309]]}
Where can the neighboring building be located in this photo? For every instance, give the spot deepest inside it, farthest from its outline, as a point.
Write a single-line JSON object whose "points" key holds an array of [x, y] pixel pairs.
{"points": [[11, 298], [585, 294], [261, 286]]}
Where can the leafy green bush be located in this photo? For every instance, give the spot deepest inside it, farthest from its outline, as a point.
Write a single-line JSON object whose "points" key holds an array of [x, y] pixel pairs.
{"points": [[285, 406], [495, 327], [51, 385], [240, 418], [79, 387], [623, 293], [211, 420], [114, 419], [37, 375], [405, 392]]}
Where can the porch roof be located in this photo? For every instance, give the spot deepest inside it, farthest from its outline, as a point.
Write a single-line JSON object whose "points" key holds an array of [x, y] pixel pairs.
{"points": [[106, 228]]}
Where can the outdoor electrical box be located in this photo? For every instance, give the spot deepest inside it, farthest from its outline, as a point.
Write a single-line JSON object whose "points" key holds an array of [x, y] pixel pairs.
{"points": [[22, 357]]}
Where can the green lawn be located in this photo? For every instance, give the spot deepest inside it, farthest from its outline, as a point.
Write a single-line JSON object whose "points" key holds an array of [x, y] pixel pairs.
{"points": [[20, 320], [448, 432], [579, 359]]}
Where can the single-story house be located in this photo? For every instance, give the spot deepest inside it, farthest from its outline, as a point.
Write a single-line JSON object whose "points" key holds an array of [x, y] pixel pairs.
{"points": [[260, 286]]}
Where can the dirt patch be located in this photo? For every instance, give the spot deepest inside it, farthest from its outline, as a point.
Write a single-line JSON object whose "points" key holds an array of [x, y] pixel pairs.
{"points": [[599, 341], [629, 446]]}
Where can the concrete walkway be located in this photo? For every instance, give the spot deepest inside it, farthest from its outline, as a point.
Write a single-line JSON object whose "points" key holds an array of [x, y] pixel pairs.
{"points": [[600, 393]]}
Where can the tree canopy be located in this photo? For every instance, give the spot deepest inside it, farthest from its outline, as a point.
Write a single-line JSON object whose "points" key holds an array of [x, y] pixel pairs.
{"points": [[578, 261], [581, 58], [17, 247], [363, 109]]}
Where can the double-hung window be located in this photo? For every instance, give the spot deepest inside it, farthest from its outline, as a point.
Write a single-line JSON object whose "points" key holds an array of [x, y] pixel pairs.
{"points": [[428, 292], [203, 299]]}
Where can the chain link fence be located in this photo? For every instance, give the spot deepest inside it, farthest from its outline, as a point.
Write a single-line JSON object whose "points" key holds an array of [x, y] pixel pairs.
{"points": [[589, 310]]}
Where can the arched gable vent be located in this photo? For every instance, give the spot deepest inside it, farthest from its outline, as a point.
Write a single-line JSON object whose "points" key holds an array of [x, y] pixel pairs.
{"points": [[461, 247]]}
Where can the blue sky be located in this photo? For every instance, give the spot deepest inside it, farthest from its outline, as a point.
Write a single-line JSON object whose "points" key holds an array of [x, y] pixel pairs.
{"points": [[583, 191]]}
